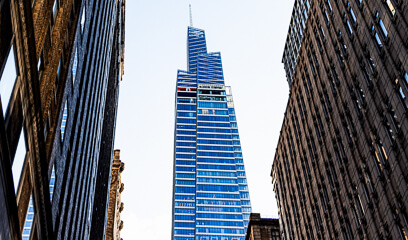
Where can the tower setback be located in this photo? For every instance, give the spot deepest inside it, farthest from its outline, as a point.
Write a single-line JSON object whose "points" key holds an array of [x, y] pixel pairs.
{"points": [[210, 193]]}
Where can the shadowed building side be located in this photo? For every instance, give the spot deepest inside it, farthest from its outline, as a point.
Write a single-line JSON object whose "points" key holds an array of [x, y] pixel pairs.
{"points": [[61, 63], [341, 165]]}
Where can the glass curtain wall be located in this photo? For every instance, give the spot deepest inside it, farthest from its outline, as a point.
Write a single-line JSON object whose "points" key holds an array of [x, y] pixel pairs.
{"points": [[210, 197]]}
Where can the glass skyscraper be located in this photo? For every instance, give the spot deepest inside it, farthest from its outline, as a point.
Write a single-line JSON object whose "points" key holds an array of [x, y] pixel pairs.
{"points": [[210, 191]]}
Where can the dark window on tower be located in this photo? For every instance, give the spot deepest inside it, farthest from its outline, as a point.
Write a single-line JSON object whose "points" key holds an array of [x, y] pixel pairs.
{"points": [[337, 153], [367, 78], [319, 44], [330, 177], [340, 57], [308, 82], [303, 104], [394, 120], [361, 95], [404, 215], [326, 196], [387, 128], [312, 67], [325, 112], [306, 90], [297, 125], [368, 181], [402, 89], [319, 137], [349, 231], [356, 103], [346, 131], [343, 46], [295, 129], [319, 121], [309, 147], [327, 99], [333, 172], [355, 216], [300, 109], [332, 85], [315, 60], [335, 75]]}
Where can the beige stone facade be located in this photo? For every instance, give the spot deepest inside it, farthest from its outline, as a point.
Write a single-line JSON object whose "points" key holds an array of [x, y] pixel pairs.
{"points": [[114, 224]]}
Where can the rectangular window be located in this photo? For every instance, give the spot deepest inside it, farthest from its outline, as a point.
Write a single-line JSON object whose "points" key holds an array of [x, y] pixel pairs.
{"points": [[349, 29], [390, 7], [383, 29], [330, 6], [367, 78], [353, 16], [406, 78], [322, 33], [59, 69], [64, 121], [372, 65], [307, 91], [380, 154], [55, 9], [343, 46], [335, 75], [326, 17], [377, 38], [83, 20], [75, 65], [403, 97], [327, 99], [52, 181], [8, 80], [29, 219], [19, 159]]}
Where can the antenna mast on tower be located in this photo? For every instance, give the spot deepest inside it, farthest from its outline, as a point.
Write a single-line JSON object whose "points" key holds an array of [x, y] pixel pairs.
{"points": [[191, 17]]}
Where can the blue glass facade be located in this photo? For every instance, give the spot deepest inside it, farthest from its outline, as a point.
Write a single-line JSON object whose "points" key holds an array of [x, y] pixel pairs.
{"points": [[210, 195]]}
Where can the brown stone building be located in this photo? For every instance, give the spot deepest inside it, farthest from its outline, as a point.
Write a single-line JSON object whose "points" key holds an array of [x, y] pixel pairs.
{"points": [[341, 164], [114, 224], [61, 62], [262, 228]]}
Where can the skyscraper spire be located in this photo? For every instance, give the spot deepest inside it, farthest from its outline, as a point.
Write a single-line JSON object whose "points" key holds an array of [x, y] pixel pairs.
{"points": [[191, 17], [210, 190]]}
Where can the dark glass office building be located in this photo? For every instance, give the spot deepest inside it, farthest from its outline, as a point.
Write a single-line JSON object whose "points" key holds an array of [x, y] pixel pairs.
{"points": [[61, 63], [341, 164], [210, 193]]}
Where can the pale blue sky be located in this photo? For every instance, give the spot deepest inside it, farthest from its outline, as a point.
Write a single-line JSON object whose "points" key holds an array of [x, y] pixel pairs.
{"points": [[250, 36]]}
